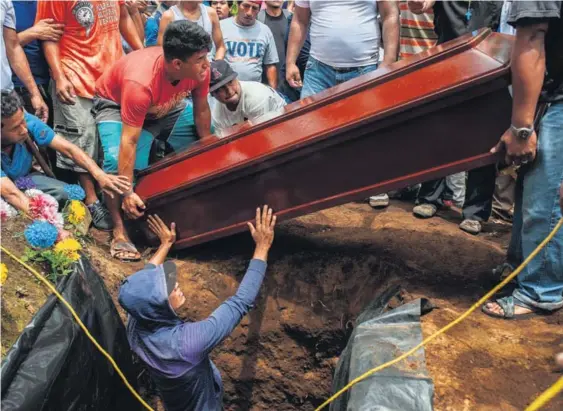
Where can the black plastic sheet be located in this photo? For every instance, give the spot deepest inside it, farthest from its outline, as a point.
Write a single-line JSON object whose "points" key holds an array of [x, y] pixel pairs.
{"points": [[54, 366], [381, 336]]}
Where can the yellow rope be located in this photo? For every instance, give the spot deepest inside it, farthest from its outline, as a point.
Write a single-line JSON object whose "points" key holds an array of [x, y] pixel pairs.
{"points": [[462, 317], [81, 324], [546, 396]]}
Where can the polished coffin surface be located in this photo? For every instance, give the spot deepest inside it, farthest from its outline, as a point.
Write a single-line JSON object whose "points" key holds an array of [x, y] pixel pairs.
{"points": [[431, 115]]}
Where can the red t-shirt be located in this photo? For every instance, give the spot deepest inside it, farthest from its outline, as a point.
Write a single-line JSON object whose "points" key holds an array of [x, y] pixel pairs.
{"points": [[137, 82], [91, 41]]}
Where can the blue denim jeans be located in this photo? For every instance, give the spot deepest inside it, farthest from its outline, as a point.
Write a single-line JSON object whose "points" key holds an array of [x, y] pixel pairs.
{"points": [[537, 212], [320, 76]]}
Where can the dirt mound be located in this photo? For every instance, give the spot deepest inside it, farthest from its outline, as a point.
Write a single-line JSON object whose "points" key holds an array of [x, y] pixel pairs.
{"points": [[22, 294]]}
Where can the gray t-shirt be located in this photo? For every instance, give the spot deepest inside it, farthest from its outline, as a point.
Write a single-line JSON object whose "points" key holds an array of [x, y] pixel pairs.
{"points": [[256, 100], [344, 33], [248, 48], [8, 19]]}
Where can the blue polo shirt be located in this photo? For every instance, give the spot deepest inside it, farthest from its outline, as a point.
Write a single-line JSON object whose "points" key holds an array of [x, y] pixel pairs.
{"points": [[19, 163], [25, 17]]}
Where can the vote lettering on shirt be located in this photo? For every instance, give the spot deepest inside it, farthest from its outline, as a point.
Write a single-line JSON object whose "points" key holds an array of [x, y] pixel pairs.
{"points": [[245, 50]]}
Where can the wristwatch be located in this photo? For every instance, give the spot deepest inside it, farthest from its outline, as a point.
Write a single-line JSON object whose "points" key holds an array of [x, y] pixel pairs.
{"points": [[523, 132]]}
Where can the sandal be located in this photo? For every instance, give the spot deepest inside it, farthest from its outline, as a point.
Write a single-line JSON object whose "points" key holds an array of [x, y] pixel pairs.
{"points": [[507, 305], [120, 250]]}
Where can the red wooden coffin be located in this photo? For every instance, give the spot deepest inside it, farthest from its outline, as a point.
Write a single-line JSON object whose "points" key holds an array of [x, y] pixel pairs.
{"points": [[424, 117]]}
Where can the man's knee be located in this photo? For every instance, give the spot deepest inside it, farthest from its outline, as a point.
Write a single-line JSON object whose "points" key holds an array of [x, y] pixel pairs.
{"points": [[51, 186], [110, 137]]}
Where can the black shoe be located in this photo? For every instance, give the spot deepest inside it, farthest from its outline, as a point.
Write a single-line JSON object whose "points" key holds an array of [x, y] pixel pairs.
{"points": [[101, 218]]}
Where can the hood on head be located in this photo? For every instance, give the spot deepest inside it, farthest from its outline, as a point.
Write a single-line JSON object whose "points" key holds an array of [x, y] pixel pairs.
{"points": [[144, 296]]}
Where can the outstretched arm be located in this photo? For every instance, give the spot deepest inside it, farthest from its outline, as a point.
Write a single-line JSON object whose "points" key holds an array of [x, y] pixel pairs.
{"points": [[166, 235], [199, 338], [13, 195]]}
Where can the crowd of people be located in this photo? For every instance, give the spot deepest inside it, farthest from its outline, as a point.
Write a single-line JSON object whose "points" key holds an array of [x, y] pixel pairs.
{"points": [[108, 87]]}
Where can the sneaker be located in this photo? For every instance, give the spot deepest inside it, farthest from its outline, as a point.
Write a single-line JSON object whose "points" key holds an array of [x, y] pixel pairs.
{"points": [[425, 210], [379, 201], [471, 226], [101, 218]]}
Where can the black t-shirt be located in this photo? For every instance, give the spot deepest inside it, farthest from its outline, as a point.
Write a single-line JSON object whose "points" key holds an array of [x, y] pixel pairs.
{"points": [[278, 26], [451, 17], [534, 12]]}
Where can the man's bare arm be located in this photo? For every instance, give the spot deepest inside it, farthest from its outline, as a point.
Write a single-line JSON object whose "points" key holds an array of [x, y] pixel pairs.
{"points": [[13, 195], [220, 48], [391, 30], [20, 66], [272, 75], [202, 116], [64, 89], [528, 70], [128, 29]]}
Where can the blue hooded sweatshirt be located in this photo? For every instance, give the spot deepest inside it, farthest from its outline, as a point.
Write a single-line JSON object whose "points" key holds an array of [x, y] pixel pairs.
{"points": [[177, 352]]}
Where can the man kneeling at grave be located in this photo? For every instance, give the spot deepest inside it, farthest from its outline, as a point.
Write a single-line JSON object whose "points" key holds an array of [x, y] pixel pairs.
{"points": [[239, 100], [177, 352], [17, 126]]}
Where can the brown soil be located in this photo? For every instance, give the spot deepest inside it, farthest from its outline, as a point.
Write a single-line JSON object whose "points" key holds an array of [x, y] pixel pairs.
{"points": [[323, 269], [22, 294]]}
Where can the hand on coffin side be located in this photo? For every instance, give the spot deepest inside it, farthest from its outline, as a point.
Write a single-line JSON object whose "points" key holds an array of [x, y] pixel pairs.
{"points": [[133, 206], [263, 232], [517, 150]]}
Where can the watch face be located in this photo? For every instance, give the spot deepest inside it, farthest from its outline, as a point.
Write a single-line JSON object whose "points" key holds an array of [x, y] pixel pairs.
{"points": [[523, 134]]}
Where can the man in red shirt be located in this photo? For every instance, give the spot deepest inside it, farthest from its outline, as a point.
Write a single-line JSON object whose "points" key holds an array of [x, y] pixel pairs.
{"points": [[143, 97]]}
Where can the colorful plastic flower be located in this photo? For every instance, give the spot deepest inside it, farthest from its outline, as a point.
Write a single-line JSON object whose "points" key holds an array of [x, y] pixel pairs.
{"points": [[6, 211], [32, 192], [25, 183], [76, 212], [70, 248], [3, 273], [43, 206], [75, 192], [41, 234]]}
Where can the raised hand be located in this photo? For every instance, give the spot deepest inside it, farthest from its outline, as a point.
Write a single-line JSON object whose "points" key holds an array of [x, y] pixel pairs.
{"points": [[263, 232], [166, 235]]}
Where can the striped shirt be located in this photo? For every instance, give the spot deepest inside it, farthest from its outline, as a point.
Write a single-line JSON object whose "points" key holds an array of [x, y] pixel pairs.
{"points": [[417, 31]]}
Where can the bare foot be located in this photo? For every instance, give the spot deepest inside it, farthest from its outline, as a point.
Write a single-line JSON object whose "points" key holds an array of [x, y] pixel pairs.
{"points": [[122, 248]]}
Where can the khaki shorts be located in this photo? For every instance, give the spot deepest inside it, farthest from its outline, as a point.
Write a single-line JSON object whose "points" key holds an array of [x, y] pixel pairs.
{"points": [[76, 124]]}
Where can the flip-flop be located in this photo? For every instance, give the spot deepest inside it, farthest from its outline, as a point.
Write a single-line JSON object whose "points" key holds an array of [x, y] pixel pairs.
{"points": [[507, 305], [121, 247]]}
